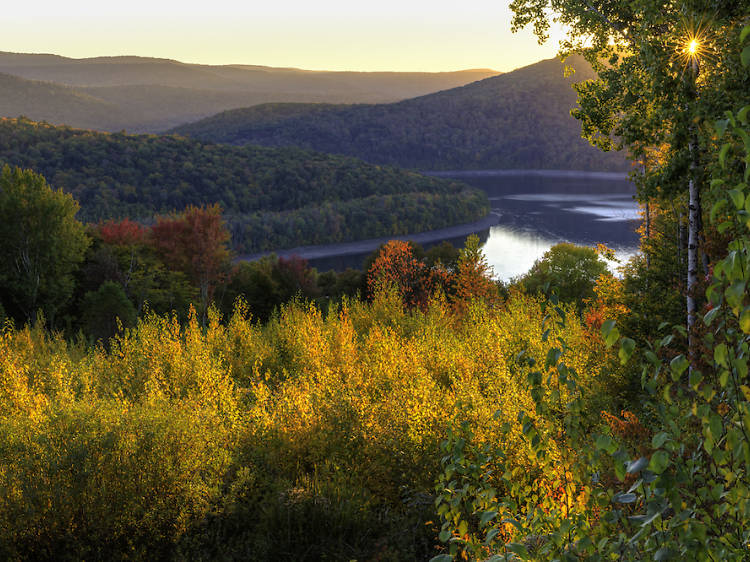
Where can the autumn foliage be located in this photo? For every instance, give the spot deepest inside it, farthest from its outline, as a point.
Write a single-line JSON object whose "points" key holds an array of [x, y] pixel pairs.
{"points": [[281, 424], [416, 282], [195, 242], [122, 233], [397, 268]]}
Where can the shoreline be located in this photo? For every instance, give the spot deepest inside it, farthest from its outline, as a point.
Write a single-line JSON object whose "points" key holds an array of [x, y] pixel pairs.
{"points": [[370, 244], [335, 249], [576, 174]]}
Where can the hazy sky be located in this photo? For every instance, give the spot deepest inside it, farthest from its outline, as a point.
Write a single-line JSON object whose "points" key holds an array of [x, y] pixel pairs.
{"points": [[428, 35]]}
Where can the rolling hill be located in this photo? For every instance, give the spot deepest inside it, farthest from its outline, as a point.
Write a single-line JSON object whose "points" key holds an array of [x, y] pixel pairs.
{"points": [[150, 95], [273, 198], [516, 120], [46, 101]]}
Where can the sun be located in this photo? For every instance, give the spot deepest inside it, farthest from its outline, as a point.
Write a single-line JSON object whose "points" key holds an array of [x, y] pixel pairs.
{"points": [[693, 47], [693, 43]]}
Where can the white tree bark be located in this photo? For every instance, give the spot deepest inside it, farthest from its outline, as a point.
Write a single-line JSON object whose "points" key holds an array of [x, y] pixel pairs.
{"points": [[694, 221]]}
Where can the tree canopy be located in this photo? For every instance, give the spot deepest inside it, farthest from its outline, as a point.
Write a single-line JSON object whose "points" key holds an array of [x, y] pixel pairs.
{"points": [[271, 198], [42, 243]]}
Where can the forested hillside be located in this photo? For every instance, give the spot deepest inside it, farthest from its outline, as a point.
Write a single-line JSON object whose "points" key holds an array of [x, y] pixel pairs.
{"points": [[517, 120], [272, 198], [150, 94]]}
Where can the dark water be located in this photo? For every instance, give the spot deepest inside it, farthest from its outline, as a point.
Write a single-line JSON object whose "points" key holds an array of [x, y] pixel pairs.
{"points": [[536, 210]]}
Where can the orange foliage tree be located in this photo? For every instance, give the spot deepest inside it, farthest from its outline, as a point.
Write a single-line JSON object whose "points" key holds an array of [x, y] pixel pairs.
{"points": [[396, 267], [472, 279]]}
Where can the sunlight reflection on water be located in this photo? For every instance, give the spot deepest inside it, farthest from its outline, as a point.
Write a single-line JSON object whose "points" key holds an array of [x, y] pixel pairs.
{"points": [[536, 211]]}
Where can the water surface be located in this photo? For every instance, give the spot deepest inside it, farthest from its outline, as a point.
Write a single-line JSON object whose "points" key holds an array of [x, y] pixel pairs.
{"points": [[536, 211], [531, 211]]}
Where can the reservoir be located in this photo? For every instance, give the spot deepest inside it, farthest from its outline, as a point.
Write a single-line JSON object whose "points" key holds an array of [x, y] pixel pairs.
{"points": [[531, 211]]}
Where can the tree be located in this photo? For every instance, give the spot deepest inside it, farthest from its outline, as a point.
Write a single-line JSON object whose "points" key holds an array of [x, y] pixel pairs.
{"points": [[571, 270], [396, 266], [663, 79], [472, 279], [42, 244], [255, 283], [104, 308], [195, 243]]}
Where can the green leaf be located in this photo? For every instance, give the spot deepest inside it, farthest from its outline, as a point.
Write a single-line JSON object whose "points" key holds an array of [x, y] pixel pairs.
{"points": [[487, 516], [610, 333], [659, 462], [659, 439], [491, 534], [721, 128], [605, 443], [737, 197], [745, 56], [695, 378], [445, 534], [553, 356], [442, 558], [723, 154], [519, 549], [720, 355], [742, 114], [744, 33], [716, 426], [678, 365], [734, 294], [652, 358], [649, 518], [625, 498], [636, 466], [711, 315], [626, 350]]}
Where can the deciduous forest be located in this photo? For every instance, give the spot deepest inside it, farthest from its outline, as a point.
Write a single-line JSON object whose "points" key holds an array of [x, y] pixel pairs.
{"points": [[516, 120], [272, 198]]}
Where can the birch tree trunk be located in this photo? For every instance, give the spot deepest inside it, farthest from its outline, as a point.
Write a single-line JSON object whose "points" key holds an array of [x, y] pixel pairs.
{"points": [[694, 218]]}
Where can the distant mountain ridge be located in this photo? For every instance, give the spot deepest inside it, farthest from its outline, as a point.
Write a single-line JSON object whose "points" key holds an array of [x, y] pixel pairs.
{"points": [[150, 94], [520, 119]]}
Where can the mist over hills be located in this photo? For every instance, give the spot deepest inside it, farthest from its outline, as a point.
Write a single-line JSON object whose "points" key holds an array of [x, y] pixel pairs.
{"points": [[149, 94], [520, 119]]}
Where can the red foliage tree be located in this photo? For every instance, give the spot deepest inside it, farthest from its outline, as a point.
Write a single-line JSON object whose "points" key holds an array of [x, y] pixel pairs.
{"points": [[196, 243], [294, 275], [123, 233]]}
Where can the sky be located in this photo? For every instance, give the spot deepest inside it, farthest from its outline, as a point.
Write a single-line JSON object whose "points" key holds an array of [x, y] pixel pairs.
{"points": [[398, 35]]}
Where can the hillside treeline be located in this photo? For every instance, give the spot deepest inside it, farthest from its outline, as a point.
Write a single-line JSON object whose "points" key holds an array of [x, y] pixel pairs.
{"points": [[517, 120], [272, 198]]}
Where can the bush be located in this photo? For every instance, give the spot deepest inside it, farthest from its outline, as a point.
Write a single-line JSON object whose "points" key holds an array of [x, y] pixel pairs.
{"points": [[570, 270]]}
